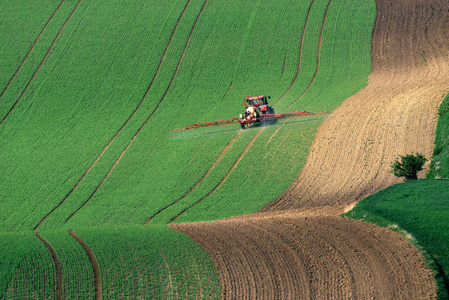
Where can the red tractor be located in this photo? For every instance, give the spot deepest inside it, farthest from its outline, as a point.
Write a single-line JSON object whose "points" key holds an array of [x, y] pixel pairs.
{"points": [[255, 108]]}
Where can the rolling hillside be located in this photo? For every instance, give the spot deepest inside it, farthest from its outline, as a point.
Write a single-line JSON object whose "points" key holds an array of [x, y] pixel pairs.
{"points": [[92, 175]]}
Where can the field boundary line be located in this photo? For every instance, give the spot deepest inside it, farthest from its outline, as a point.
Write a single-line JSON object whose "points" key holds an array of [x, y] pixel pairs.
{"points": [[217, 160], [224, 178], [146, 121], [41, 63], [58, 287], [93, 262], [300, 55], [31, 49], [121, 128]]}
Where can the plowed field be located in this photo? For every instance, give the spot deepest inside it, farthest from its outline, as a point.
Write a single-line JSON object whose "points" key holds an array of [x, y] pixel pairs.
{"points": [[295, 256], [311, 253]]}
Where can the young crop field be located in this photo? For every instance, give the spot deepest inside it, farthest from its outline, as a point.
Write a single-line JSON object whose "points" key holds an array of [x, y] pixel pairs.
{"points": [[89, 93]]}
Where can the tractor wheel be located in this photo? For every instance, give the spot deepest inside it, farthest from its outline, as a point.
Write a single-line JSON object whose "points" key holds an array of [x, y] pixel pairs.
{"points": [[242, 125]]}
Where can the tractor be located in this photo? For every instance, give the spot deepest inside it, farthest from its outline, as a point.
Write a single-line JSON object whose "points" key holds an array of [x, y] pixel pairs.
{"points": [[255, 108]]}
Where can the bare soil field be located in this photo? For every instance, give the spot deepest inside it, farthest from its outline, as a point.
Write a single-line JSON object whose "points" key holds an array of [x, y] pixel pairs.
{"points": [[288, 255], [296, 247], [395, 114]]}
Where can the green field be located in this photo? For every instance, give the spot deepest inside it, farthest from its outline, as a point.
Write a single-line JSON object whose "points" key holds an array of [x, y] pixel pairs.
{"points": [[439, 166], [89, 95]]}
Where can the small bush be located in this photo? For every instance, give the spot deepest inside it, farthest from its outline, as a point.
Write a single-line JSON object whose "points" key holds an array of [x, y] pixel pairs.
{"points": [[409, 166]]}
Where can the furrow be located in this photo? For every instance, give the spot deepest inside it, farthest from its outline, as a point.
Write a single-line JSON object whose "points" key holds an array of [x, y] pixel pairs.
{"points": [[41, 63], [31, 49], [93, 262], [199, 181], [58, 287]]}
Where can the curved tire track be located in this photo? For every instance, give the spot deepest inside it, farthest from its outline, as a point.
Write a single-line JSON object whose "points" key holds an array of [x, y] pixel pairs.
{"points": [[300, 55], [93, 262], [149, 117], [224, 178], [124, 124], [31, 49], [318, 56], [201, 179], [41, 63], [58, 287]]}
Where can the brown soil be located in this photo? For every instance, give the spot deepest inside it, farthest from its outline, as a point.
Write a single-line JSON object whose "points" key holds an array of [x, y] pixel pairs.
{"points": [[286, 255], [394, 115], [296, 247], [93, 262], [58, 268]]}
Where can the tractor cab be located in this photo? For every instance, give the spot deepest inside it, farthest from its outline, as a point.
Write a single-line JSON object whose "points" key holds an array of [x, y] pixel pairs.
{"points": [[255, 101]]}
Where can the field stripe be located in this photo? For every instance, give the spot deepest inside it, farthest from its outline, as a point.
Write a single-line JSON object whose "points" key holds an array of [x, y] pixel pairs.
{"points": [[199, 181], [31, 49], [300, 55], [318, 56], [124, 124], [93, 262], [149, 117], [41, 63], [224, 178], [58, 287]]}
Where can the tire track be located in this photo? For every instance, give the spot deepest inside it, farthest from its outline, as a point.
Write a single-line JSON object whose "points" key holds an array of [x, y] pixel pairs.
{"points": [[300, 55], [317, 65], [58, 287], [93, 262], [41, 63], [31, 49], [229, 88], [149, 117], [217, 160], [224, 178], [318, 57], [124, 124]]}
